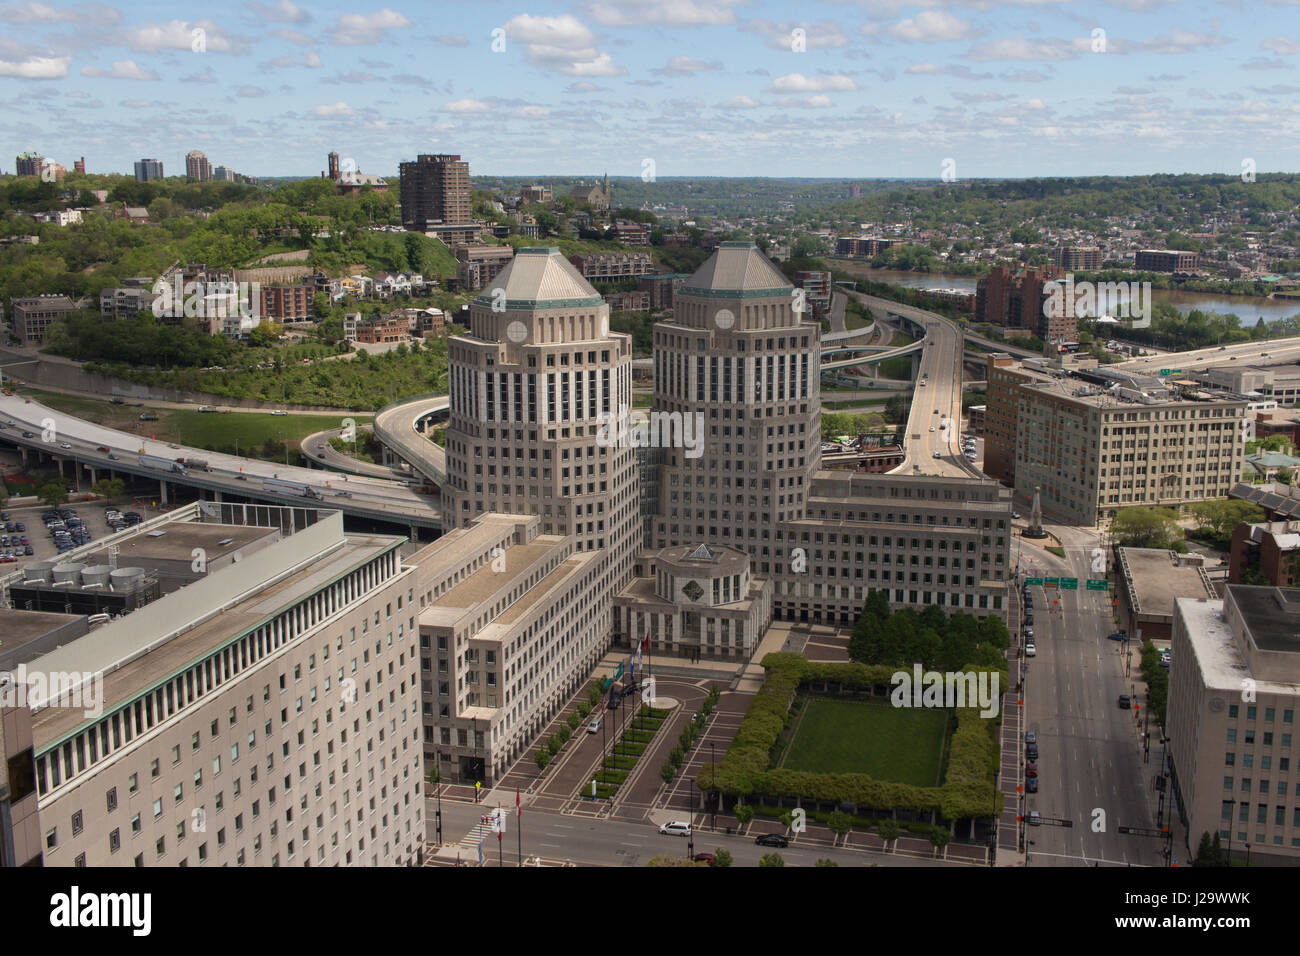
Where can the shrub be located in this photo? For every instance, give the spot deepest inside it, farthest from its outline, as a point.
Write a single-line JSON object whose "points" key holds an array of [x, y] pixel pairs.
{"points": [[667, 772], [744, 814], [771, 859], [542, 757], [574, 719], [721, 857]]}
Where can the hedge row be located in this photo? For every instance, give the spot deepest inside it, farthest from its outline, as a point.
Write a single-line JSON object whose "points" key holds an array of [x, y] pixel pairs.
{"points": [[968, 789]]}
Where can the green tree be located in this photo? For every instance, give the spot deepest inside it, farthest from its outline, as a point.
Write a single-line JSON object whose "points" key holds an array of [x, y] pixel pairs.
{"points": [[840, 823], [667, 771], [771, 859], [52, 493], [4, 497], [1146, 527], [940, 838], [1208, 853], [109, 488], [542, 757], [825, 861], [1222, 517], [721, 857], [744, 814], [889, 831]]}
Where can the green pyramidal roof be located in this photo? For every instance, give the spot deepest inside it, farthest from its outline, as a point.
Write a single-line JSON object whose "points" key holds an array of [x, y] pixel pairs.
{"points": [[737, 270], [539, 277]]}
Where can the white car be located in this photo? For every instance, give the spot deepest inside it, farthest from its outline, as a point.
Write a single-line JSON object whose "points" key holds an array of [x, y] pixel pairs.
{"points": [[931, 428], [676, 828], [64, 444], [1030, 650]]}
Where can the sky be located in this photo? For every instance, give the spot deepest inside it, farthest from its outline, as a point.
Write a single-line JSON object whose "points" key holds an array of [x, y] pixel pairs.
{"points": [[833, 88]]}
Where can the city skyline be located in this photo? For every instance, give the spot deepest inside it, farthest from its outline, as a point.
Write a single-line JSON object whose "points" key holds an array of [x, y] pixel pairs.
{"points": [[872, 89]]}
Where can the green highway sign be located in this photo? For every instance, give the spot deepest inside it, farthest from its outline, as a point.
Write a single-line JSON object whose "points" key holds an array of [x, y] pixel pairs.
{"points": [[1051, 582], [1069, 584], [1034, 582], [1164, 371], [1098, 584]]}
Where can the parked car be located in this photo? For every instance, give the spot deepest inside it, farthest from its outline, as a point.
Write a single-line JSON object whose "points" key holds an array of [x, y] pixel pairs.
{"points": [[1031, 770], [1125, 702], [1031, 751], [1031, 737], [594, 726], [676, 828], [1031, 650], [1035, 818], [1165, 658], [1117, 636], [703, 858], [773, 839], [1031, 785]]}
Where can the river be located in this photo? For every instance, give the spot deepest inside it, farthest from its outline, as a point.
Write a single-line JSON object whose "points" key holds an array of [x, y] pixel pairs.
{"points": [[1248, 307]]}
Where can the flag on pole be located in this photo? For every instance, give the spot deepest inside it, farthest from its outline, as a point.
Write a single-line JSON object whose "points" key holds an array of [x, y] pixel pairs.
{"points": [[646, 642], [519, 806]]}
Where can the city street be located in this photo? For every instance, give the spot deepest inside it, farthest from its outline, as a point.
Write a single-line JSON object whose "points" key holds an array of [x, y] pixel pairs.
{"points": [[1091, 769]]}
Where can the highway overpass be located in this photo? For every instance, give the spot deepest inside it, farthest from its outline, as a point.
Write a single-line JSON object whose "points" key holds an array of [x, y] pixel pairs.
{"points": [[400, 428], [96, 451]]}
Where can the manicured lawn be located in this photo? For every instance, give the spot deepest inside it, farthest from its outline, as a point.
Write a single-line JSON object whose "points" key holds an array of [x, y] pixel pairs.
{"points": [[900, 744]]}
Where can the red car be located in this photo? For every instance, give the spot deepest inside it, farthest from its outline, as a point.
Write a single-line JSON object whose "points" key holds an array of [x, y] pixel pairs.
{"points": [[1031, 770], [102, 448], [703, 858]]}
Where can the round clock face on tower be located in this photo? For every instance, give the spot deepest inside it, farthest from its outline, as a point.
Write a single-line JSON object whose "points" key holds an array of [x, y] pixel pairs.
{"points": [[1216, 704]]}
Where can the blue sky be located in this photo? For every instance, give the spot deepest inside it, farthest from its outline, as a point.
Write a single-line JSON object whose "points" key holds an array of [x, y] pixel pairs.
{"points": [[869, 88]]}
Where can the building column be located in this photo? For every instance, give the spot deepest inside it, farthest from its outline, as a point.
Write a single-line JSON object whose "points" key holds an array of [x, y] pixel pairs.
{"points": [[216, 496], [162, 492]]}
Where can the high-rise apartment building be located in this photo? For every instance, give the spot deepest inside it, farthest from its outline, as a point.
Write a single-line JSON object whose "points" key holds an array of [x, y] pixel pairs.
{"points": [[1233, 701], [1096, 440], [435, 190], [1020, 299], [147, 170], [197, 167], [1164, 260], [265, 710], [1078, 258]]}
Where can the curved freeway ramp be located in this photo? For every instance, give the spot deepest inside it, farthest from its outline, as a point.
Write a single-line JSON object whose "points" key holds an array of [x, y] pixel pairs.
{"points": [[937, 401], [397, 428]]}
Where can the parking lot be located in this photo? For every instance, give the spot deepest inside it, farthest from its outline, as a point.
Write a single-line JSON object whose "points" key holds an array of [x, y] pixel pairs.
{"points": [[42, 543]]}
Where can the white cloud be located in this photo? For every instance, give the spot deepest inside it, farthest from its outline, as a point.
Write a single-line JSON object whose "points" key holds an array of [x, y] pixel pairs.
{"points": [[584, 86], [294, 36], [532, 112], [1282, 45], [37, 68], [820, 101], [312, 60], [685, 66], [798, 83], [122, 70], [675, 13], [933, 26], [283, 11], [360, 29], [468, 106], [250, 92], [452, 39], [738, 103], [330, 110], [90, 14], [1020, 48], [207, 76], [822, 35], [176, 35], [562, 44], [1180, 41]]}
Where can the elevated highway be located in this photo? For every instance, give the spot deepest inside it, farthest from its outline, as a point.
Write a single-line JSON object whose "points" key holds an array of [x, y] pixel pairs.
{"points": [[37, 429]]}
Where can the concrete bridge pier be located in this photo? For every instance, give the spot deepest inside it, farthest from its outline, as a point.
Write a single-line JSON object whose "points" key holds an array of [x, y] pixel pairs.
{"points": [[162, 492]]}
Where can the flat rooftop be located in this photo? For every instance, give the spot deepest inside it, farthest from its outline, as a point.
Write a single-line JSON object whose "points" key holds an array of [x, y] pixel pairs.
{"points": [[450, 607], [177, 540], [1221, 658], [126, 682], [22, 627], [1272, 616], [1154, 581]]}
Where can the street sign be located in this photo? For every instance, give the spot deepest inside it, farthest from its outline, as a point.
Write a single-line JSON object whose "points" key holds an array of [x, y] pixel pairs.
{"points": [[1164, 371], [1051, 582], [1098, 584], [1034, 582], [1069, 584]]}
